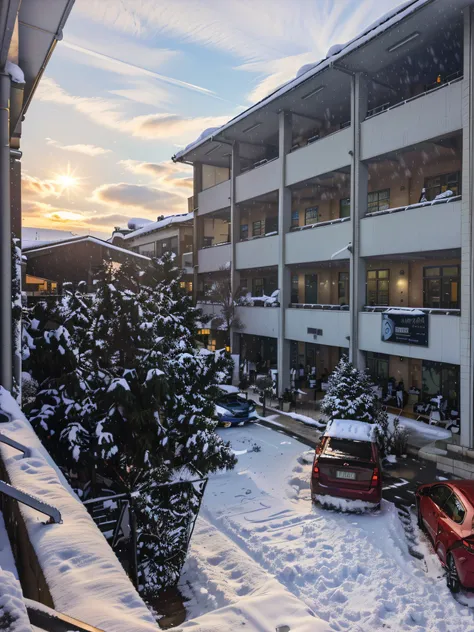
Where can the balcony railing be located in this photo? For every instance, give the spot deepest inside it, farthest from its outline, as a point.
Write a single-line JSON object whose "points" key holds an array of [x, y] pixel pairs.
{"points": [[257, 164], [187, 260], [398, 209], [270, 234], [316, 137], [338, 220], [448, 311], [220, 243], [319, 306], [386, 107]]}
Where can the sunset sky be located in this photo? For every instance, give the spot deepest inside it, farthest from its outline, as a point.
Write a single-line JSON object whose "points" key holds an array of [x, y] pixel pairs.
{"points": [[133, 81]]}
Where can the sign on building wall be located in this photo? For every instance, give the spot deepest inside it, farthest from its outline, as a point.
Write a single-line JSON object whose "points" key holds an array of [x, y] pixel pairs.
{"points": [[405, 328]]}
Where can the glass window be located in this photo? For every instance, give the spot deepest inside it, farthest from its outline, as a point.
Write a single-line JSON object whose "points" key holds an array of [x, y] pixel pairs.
{"points": [[343, 288], [440, 494], [439, 184], [346, 448], [440, 378], [378, 287], [174, 244], [378, 201], [295, 219], [454, 509], [294, 288], [243, 286], [345, 207], [311, 289], [257, 228], [271, 224], [257, 285], [244, 232], [377, 367], [147, 249], [311, 215], [441, 287]]}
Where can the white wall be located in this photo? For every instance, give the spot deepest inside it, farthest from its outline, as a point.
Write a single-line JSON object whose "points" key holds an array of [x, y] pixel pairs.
{"points": [[322, 156], [258, 181], [212, 259], [443, 339], [335, 325], [257, 253], [318, 243], [215, 198], [260, 321], [426, 117], [415, 230]]}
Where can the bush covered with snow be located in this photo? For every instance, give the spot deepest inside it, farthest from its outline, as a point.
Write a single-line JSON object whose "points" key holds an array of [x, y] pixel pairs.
{"points": [[125, 396]]}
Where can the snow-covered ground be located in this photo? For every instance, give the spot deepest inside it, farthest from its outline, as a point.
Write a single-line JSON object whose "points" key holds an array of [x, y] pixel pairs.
{"points": [[263, 556]]}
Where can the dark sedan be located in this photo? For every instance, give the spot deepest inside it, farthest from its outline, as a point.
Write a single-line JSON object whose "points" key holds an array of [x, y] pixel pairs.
{"points": [[233, 409]]}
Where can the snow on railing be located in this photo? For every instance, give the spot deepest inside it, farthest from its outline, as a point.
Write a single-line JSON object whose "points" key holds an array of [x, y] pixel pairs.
{"points": [[385, 107], [339, 220], [323, 306], [398, 209], [426, 310]]}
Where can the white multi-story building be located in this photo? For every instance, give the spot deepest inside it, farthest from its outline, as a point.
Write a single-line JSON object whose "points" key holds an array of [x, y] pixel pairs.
{"points": [[350, 189]]}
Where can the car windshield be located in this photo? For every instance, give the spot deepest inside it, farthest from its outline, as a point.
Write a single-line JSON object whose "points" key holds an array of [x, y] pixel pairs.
{"points": [[343, 448]]}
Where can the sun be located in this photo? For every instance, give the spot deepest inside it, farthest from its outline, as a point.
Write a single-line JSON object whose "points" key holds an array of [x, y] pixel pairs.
{"points": [[67, 181]]}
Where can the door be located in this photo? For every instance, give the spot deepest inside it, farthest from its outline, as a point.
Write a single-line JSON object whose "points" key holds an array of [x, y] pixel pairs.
{"points": [[450, 525], [311, 289], [430, 506]]}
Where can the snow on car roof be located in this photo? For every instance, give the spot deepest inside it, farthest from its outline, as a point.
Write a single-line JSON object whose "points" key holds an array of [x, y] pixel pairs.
{"points": [[227, 388], [350, 429]]}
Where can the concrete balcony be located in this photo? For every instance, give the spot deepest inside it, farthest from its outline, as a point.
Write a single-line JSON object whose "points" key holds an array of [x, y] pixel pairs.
{"points": [[258, 181], [215, 198], [214, 258], [260, 321], [324, 155], [443, 339], [334, 326], [209, 309], [432, 115], [260, 252], [419, 229], [318, 243]]}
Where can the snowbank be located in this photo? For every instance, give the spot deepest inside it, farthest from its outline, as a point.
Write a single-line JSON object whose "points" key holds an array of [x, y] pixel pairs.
{"points": [[12, 607], [84, 576], [227, 388], [350, 429], [343, 504], [421, 428]]}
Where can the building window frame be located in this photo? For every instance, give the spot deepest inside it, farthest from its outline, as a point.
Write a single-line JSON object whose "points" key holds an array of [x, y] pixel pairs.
{"points": [[295, 288], [295, 219], [244, 232], [258, 228], [344, 207], [311, 215], [343, 288], [258, 286], [449, 285], [378, 200], [378, 287], [434, 185]]}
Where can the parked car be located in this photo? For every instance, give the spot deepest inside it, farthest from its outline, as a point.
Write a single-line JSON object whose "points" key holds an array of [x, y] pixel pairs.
{"points": [[347, 464], [233, 409], [446, 512]]}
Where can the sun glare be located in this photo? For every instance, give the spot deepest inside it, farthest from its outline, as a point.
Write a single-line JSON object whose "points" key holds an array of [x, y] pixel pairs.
{"points": [[67, 181]]}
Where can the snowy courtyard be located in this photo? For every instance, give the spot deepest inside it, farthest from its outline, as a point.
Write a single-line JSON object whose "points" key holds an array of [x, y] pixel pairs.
{"points": [[263, 557]]}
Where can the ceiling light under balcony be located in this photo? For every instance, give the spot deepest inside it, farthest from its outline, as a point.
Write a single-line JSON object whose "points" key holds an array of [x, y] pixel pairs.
{"points": [[251, 128], [312, 93], [402, 42]]}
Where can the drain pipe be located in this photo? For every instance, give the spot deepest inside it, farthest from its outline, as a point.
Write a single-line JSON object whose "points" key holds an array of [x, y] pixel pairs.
{"points": [[5, 238]]}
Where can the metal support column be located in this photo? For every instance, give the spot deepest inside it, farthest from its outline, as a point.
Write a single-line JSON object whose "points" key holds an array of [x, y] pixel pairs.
{"points": [[197, 188], [234, 338], [6, 350]]}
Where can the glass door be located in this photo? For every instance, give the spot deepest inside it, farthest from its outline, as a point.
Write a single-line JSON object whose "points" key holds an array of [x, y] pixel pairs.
{"points": [[311, 289]]}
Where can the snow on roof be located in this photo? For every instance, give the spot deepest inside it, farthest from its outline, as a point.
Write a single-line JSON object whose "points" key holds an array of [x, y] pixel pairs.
{"points": [[84, 576], [16, 73], [137, 222], [94, 240], [227, 388], [162, 223], [350, 429], [386, 21]]}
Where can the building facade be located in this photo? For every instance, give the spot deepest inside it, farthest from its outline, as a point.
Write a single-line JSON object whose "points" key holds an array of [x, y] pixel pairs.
{"points": [[349, 190]]}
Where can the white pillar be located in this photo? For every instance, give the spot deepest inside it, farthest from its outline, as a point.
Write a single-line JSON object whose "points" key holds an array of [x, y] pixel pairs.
{"points": [[284, 223], [197, 188], [359, 185], [234, 237], [467, 259]]}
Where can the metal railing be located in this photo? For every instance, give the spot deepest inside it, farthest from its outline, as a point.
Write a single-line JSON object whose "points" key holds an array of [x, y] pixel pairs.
{"points": [[435, 311], [399, 209], [338, 220], [321, 306]]}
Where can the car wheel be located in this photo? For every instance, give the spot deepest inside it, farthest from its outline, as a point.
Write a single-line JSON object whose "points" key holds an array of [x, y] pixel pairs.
{"points": [[452, 577]]}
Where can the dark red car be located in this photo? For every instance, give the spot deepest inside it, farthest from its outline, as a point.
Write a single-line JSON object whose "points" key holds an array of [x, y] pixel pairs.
{"points": [[446, 513], [346, 464]]}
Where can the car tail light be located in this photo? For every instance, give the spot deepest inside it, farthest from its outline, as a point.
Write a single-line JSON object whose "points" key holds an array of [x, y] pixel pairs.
{"points": [[315, 471], [469, 544], [375, 477]]}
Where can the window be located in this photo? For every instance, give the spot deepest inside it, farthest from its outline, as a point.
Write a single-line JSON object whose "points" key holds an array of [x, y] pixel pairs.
{"points": [[378, 201], [345, 207], [212, 344], [271, 224], [441, 287], [454, 509], [440, 378], [169, 245], [243, 286], [343, 288], [311, 215], [257, 287], [295, 219], [439, 184], [377, 367], [294, 288], [378, 285], [311, 289], [207, 242], [244, 232], [147, 249], [257, 228], [440, 494], [343, 448]]}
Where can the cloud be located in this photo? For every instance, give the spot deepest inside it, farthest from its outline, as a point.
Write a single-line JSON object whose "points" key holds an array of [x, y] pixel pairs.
{"points": [[107, 113], [88, 150], [43, 188], [137, 196], [168, 175]]}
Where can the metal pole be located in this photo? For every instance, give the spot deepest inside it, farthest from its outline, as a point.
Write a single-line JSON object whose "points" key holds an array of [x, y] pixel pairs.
{"points": [[133, 545], [6, 350]]}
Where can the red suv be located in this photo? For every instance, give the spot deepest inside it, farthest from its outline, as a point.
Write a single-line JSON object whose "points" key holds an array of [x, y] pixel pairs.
{"points": [[446, 512], [346, 463]]}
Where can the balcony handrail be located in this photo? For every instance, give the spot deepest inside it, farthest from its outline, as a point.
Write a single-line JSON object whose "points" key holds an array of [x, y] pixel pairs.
{"points": [[435, 311], [322, 306], [272, 233], [372, 114], [312, 139], [398, 209], [31, 501], [338, 220], [221, 243], [256, 165]]}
